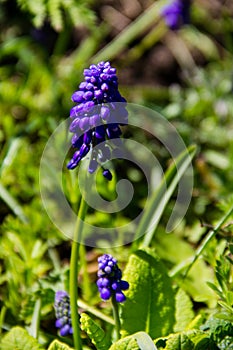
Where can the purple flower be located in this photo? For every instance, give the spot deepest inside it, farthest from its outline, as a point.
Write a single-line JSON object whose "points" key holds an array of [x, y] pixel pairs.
{"points": [[177, 13], [62, 312], [109, 281], [97, 117]]}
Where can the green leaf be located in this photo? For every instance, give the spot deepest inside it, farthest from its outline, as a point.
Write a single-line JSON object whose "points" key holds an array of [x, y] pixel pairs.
{"points": [[150, 303], [57, 345], [137, 341], [95, 332], [179, 342], [184, 311], [127, 343], [19, 339]]}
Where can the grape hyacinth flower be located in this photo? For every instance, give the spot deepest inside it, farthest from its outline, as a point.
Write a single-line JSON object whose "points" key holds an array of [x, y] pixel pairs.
{"points": [[109, 281], [177, 13], [97, 117], [62, 312]]}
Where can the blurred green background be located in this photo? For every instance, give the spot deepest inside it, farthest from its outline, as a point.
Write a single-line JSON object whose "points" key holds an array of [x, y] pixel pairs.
{"points": [[185, 75]]}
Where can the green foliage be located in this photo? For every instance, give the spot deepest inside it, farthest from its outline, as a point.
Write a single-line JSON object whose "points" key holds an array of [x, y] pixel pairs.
{"points": [[22, 268], [95, 332], [19, 339], [219, 329], [223, 286], [150, 296], [179, 342], [78, 13], [189, 340]]}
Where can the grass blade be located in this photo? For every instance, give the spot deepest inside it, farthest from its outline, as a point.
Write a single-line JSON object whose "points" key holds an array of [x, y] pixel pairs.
{"points": [[161, 196], [12, 203]]}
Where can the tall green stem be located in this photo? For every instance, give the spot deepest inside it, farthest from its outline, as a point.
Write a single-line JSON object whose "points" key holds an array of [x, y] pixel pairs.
{"points": [[116, 317], [74, 274]]}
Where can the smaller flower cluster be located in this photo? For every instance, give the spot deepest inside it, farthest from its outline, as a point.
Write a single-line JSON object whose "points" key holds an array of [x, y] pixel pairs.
{"points": [[63, 313], [177, 13], [109, 281]]}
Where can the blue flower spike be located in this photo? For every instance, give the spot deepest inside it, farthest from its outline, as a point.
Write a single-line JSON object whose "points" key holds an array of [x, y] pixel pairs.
{"points": [[63, 313], [97, 117], [109, 283], [177, 13]]}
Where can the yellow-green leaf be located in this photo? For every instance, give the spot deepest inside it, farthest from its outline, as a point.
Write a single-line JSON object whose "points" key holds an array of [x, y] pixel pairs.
{"points": [[150, 303], [57, 345], [94, 332], [127, 343], [19, 339], [184, 311], [179, 342]]}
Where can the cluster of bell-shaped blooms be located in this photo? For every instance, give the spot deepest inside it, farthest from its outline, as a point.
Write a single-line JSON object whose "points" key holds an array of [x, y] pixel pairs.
{"points": [[109, 281], [63, 313], [99, 112]]}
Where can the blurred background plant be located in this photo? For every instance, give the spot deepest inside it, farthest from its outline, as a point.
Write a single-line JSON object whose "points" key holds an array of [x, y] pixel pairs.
{"points": [[185, 74]]}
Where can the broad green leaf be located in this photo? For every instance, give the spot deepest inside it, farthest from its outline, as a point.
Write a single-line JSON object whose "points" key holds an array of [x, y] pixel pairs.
{"points": [[150, 303], [94, 332], [184, 311], [19, 339], [179, 342], [127, 343], [57, 345]]}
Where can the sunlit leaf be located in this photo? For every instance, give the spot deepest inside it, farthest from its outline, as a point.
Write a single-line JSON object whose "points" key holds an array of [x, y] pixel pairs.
{"points": [[19, 339], [150, 303], [184, 311]]}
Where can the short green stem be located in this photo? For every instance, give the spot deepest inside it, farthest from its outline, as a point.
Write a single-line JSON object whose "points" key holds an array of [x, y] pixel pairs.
{"points": [[116, 317], [74, 274]]}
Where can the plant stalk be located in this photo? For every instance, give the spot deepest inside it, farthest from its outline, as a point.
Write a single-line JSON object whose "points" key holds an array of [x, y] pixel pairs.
{"points": [[116, 317], [73, 287]]}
